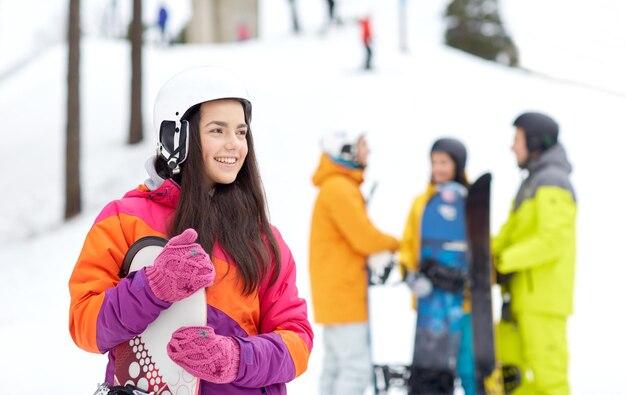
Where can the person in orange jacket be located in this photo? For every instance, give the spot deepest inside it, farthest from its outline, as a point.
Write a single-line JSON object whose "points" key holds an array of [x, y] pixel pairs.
{"points": [[343, 243]]}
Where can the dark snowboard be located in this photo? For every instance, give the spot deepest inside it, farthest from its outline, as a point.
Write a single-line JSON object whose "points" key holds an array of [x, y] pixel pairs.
{"points": [[477, 207]]}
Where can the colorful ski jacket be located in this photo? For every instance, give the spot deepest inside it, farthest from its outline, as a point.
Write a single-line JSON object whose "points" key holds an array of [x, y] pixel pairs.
{"points": [[538, 240], [411, 245], [366, 30], [342, 236], [271, 326]]}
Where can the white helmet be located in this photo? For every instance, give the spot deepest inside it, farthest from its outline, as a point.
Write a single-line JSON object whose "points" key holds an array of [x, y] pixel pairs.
{"points": [[182, 92], [341, 145]]}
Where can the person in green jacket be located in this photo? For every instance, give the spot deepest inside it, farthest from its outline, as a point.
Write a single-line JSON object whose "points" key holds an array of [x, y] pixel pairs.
{"points": [[534, 255]]}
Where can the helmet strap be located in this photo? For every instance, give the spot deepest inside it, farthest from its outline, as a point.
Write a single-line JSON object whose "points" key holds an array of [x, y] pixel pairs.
{"points": [[173, 143]]}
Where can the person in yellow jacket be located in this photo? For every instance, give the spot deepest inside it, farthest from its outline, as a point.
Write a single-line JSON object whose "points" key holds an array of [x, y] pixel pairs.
{"points": [[448, 158], [341, 240], [534, 254]]}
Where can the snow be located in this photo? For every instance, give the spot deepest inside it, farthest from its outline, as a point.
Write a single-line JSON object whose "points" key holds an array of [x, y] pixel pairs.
{"points": [[303, 86], [586, 45]]}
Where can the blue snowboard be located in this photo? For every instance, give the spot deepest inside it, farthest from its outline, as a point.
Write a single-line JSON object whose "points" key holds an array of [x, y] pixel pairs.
{"points": [[440, 313]]}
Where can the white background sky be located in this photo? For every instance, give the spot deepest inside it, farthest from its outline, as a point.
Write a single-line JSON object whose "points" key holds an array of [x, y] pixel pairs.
{"points": [[302, 87]]}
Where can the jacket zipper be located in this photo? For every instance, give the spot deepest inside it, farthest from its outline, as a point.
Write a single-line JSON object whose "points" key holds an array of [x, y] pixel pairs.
{"points": [[531, 288]]}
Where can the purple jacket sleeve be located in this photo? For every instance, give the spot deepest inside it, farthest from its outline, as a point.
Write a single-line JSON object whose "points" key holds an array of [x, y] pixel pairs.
{"points": [[264, 361], [127, 310]]}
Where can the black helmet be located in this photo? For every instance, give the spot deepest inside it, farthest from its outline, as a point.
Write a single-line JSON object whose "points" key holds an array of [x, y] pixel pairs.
{"points": [[541, 131], [457, 152]]}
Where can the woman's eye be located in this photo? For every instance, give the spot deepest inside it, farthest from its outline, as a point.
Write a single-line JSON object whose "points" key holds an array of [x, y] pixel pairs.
{"points": [[242, 132], [216, 130]]}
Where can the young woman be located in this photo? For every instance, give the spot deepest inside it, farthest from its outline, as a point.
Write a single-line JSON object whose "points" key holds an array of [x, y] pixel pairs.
{"points": [[436, 270], [204, 194]]}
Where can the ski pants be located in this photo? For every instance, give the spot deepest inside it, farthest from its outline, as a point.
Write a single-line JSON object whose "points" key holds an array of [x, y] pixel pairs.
{"points": [[436, 381], [537, 344], [368, 57], [346, 367], [465, 361]]}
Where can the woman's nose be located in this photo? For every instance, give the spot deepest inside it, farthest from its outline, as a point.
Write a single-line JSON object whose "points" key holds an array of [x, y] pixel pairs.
{"points": [[233, 141]]}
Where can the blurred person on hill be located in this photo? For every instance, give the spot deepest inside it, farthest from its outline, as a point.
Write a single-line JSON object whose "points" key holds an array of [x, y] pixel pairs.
{"points": [[343, 244], [366, 39], [534, 255], [162, 24], [332, 13]]}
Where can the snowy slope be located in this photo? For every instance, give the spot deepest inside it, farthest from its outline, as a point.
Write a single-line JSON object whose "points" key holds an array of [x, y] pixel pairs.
{"points": [[301, 87]]}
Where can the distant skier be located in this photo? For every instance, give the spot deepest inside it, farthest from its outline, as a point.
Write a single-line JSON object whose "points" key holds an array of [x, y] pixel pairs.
{"points": [[295, 21], [331, 10], [333, 18], [342, 236], [162, 24], [448, 158], [534, 253], [242, 31], [366, 38]]}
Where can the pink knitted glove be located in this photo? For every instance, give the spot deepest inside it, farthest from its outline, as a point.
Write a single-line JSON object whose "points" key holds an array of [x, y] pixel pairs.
{"points": [[180, 269], [201, 352]]}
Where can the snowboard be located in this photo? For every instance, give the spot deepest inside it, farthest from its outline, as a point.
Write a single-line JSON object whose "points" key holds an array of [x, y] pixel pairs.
{"points": [[143, 361], [390, 365], [488, 374], [443, 257]]}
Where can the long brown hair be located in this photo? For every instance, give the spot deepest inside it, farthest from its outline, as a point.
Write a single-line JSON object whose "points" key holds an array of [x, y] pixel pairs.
{"points": [[234, 215]]}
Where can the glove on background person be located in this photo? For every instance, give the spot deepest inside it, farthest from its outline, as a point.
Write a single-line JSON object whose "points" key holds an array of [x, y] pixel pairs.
{"points": [[380, 260]]}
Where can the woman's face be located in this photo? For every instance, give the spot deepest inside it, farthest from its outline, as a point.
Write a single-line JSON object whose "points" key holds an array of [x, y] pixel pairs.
{"points": [[223, 132], [443, 167]]}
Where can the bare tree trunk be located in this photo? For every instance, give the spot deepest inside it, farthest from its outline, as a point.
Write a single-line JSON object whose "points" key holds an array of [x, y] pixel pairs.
{"points": [[72, 147], [136, 115], [218, 31]]}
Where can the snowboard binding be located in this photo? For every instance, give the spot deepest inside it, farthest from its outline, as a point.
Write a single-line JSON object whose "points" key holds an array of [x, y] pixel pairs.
{"points": [[106, 389], [503, 380], [390, 376], [511, 377]]}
